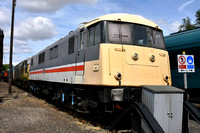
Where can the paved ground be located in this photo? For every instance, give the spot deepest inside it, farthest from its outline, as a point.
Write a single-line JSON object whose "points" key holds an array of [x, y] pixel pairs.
{"points": [[23, 112]]}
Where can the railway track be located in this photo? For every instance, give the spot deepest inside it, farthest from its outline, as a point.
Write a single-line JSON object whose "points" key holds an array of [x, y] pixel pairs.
{"points": [[95, 118]]}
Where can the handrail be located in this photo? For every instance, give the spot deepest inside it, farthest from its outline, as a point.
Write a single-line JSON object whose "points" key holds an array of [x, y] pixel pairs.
{"points": [[192, 110], [144, 113]]}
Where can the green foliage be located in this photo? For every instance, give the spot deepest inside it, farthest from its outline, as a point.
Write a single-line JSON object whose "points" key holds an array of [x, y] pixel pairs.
{"points": [[187, 25], [197, 15], [5, 67]]}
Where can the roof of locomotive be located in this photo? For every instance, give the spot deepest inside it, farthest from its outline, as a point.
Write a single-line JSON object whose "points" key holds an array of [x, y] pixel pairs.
{"points": [[124, 18]]}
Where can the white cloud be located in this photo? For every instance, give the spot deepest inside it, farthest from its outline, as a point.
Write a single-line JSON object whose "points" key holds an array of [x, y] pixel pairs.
{"points": [[20, 47], [6, 49], [181, 8], [35, 29], [4, 16], [171, 26], [49, 5]]}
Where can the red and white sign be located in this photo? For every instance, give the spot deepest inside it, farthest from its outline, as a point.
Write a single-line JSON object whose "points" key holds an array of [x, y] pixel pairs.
{"points": [[185, 63], [181, 59], [181, 63]]}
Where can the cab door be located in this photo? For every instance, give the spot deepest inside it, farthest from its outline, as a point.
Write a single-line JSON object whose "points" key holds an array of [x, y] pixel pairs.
{"points": [[80, 57]]}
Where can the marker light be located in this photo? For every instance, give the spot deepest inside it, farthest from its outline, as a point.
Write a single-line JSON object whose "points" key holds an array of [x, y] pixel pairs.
{"points": [[152, 58], [135, 56]]}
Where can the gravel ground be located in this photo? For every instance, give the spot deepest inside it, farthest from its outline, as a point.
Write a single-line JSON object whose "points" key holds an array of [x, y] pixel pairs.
{"points": [[22, 112]]}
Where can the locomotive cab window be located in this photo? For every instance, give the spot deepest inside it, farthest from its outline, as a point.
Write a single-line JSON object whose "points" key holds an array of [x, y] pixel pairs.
{"points": [[94, 35], [134, 34], [119, 33]]}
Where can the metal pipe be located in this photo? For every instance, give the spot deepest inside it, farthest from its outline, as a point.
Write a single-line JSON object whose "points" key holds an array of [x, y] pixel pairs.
{"points": [[1, 52]]}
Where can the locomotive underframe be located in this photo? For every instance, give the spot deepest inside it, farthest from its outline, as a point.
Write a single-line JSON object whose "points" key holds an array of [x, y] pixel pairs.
{"points": [[84, 97]]}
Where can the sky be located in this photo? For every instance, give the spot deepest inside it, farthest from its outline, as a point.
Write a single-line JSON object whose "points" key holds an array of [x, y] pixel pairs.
{"points": [[39, 23]]}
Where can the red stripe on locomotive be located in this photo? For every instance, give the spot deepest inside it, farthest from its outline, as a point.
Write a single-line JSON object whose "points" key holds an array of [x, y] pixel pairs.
{"points": [[64, 69]]}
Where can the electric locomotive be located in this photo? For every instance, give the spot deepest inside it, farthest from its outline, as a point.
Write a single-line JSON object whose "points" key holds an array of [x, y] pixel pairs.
{"points": [[102, 64]]}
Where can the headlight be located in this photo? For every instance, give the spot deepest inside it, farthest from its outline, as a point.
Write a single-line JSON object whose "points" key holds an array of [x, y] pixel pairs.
{"points": [[166, 78], [118, 76]]}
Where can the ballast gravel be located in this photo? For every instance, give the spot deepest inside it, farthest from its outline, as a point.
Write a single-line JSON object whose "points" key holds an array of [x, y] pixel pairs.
{"points": [[25, 113]]}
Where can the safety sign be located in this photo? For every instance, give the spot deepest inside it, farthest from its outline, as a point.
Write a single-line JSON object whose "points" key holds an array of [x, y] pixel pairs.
{"points": [[186, 63]]}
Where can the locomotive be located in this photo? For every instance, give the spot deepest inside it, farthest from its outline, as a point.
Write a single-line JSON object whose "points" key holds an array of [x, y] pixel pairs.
{"points": [[102, 65], [21, 73], [104, 62]]}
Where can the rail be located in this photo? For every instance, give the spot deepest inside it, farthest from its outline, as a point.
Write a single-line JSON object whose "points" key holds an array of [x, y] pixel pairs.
{"points": [[144, 113]]}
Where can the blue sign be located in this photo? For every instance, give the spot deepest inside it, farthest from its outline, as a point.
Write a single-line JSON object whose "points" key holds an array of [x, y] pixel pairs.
{"points": [[190, 60], [190, 66]]}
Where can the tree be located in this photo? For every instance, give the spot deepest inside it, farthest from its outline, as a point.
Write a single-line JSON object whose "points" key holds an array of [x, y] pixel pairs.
{"points": [[186, 25], [197, 15], [5, 67]]}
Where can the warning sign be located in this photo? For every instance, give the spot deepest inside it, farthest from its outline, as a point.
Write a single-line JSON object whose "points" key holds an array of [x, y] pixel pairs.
{"points": [[181, 59], [186, 63]]}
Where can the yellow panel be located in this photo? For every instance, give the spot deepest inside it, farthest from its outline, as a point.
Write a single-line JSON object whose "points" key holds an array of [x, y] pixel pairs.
{"points": [[115, 58]]}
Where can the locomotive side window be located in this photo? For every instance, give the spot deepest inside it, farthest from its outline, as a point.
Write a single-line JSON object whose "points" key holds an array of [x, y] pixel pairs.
{"points": [[32, 62], [26, 67], [94, 35], [71, 45], [51, 53], [22, 66], [54, 52], [41, 58]]}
